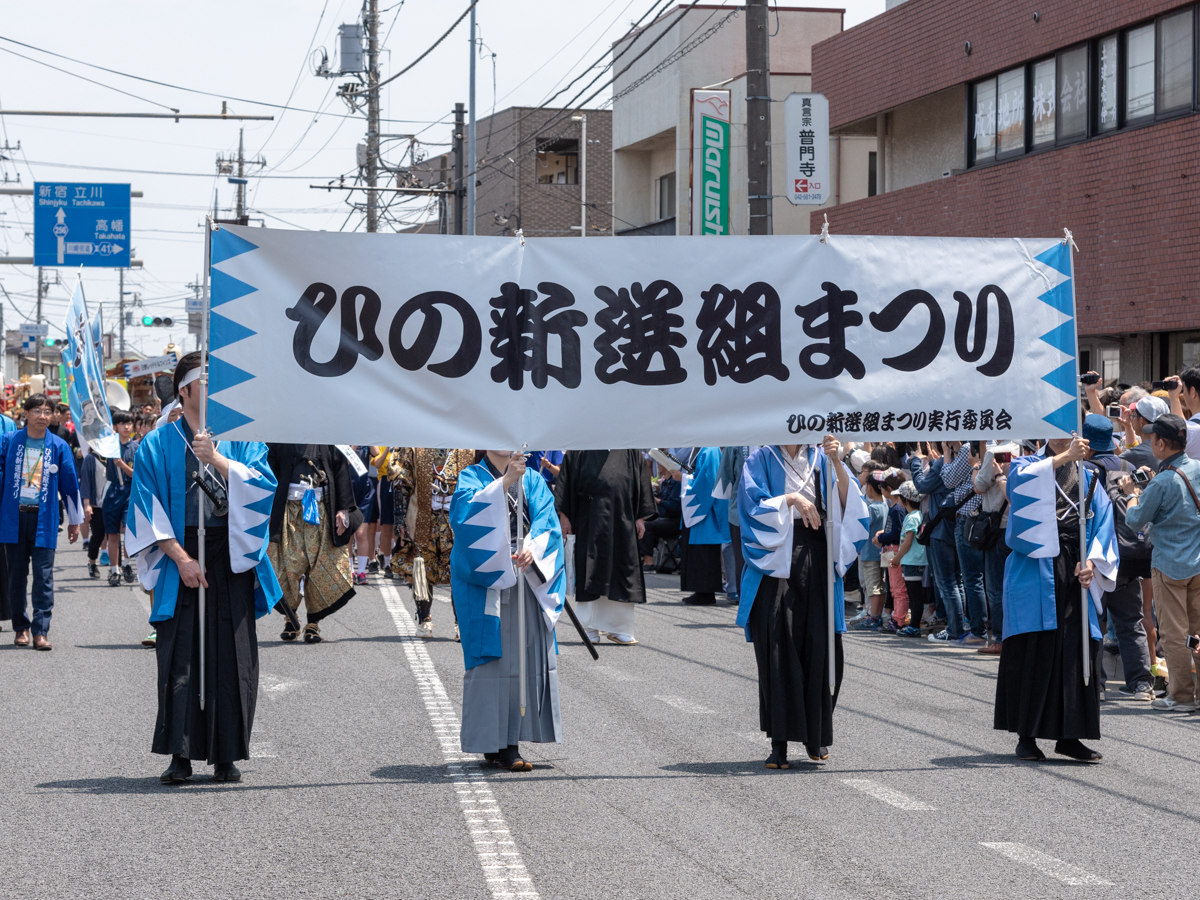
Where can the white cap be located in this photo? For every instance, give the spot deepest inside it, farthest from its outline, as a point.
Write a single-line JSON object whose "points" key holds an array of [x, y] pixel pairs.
{"points": [[1150, 408], [857, 458]]}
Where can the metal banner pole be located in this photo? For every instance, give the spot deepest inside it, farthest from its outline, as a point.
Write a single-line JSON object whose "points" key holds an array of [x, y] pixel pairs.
{"points": [[208, 226], [521, 583], [830, 573], [1083, 554]]}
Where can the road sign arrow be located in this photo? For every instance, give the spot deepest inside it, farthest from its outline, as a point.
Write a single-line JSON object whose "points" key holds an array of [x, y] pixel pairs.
{"points": [[62, 215]]}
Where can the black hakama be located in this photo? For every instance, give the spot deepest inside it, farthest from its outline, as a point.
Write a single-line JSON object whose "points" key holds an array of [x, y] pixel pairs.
{"points": [[220, 733], [1039, 689], [699, 566], [788, 625]]}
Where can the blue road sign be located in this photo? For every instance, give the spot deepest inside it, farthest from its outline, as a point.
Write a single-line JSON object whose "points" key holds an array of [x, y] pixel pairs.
{"points": [[81, 224]]}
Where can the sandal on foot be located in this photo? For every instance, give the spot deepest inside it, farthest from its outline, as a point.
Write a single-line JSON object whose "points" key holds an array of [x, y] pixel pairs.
{"points": [[288, 634], [312, 633]]}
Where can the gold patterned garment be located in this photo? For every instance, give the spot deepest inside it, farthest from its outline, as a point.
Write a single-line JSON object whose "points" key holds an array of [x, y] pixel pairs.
{"points": [[306, 551], [421, 479]]}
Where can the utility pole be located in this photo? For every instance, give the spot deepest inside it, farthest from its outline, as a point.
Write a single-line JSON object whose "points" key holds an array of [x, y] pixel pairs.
{"points": [[37, 352], [121, 311], [582, 120], [241, 185], [372, 24], [458, 169], [471, 157], [758, 116]]}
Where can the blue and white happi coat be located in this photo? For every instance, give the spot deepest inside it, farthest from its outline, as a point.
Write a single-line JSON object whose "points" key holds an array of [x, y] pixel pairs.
{"points": [[158, 509], [58, 480], [766, 522], [1032, 535], [481, 563], [705, 499]]}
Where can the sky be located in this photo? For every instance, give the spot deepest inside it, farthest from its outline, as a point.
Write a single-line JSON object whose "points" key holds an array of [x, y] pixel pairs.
{"points": [[249, 55]]}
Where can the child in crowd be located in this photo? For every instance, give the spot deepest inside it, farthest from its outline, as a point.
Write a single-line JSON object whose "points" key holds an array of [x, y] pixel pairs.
{"points": [[888, 541], [910, 560], [868, 561], [119, 477]]}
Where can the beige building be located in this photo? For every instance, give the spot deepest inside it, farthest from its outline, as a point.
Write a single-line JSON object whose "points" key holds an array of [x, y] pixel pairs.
{"points": [[652, 106]]}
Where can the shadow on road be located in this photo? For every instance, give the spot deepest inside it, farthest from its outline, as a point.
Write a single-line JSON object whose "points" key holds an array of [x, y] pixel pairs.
{"points": [[754, 767]]}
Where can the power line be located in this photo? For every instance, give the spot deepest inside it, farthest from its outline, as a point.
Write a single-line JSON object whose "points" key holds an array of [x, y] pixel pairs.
{"points": [[39, 62], [60, 165], [432, 47]]}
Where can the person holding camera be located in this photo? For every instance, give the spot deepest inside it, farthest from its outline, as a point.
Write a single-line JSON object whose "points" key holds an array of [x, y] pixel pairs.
{"points": [[1170, 505], [1183, 390]]}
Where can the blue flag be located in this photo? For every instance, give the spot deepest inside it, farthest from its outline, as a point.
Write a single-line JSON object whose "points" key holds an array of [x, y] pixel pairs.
{"points": [[85, 381]]}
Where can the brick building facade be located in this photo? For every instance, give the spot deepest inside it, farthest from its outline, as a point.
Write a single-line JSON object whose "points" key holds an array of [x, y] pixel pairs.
{"points": [[1122, 171], [529, 172]]}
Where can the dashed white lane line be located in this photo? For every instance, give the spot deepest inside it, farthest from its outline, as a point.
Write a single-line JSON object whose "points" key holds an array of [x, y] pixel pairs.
{"points": [[1047, 865], [687, 706], [503, 867], [886, 794]]}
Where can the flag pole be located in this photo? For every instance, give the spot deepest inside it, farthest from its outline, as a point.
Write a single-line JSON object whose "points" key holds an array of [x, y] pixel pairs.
{"points": [[208, 227], [829, 577], [1085, 596], [521, 584]]}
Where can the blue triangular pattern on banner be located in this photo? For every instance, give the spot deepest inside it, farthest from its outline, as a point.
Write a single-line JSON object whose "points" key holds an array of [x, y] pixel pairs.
{"points": [[227, 245], [221, 418], [1060, 298], [1062, 338], [222, 375], [1057, 257], [1066, 418], [226, 288], [222, 332], [1063, 377]]}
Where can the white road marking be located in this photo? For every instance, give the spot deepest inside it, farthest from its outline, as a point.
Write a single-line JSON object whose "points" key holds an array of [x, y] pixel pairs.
{"points": [[273, 684], [502, 865], [1047, 865], [261, 750], [886, 794], [687, 706]]}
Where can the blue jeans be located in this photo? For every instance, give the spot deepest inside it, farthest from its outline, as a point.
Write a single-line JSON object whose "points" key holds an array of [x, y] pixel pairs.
{"points": [[993, 578], [943, 557], [970, 562], [20, 555]]}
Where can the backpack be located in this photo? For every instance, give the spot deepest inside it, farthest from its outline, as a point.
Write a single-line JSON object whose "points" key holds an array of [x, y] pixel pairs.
{"points": [[1130, 544]]}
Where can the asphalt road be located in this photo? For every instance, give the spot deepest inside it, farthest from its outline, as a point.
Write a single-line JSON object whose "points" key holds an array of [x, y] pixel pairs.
{"points": [[356, 787]]}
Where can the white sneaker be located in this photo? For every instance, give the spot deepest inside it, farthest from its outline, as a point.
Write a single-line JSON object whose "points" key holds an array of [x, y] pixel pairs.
{"points": [[425, 629], [593, 636], [942, 637], [1168, 703], [627, 639]]}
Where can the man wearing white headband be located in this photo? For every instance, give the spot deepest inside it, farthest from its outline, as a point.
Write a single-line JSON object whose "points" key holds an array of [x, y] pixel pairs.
{"points": [[174, 465]]}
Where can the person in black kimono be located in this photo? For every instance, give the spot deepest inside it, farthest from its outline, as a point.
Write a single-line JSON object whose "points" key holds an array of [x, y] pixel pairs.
{"points": [[604, 498]]}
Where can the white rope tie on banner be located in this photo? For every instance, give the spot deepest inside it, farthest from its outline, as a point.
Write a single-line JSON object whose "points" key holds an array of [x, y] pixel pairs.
{"points": [[825, 230], [521, 236], [1069, 239]]}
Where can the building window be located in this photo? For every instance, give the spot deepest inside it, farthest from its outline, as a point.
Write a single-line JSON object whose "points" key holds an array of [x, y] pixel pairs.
{"points": [[1175, 61], [557, 161], [1072, 93], [1107, 119], [1010, 112], [872, 174], [1139, 73], [1043, 102], [1110, 364], [985, 120], [1128, 79], [1191, 353], [666, 196]]}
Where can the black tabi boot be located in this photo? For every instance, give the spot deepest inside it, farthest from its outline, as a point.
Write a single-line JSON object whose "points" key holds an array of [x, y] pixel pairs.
{"points": [[778, 758], [226, 772], [178, 772], [1028, 750], [1073, 749], [701, 598]]}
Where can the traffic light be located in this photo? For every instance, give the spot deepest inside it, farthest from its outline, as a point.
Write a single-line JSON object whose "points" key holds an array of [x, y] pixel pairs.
{"points": [[55, 342], [158, 321]]}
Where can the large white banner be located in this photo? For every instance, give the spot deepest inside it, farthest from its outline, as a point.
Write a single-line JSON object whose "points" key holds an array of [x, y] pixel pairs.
{"points": [[441, 341]]}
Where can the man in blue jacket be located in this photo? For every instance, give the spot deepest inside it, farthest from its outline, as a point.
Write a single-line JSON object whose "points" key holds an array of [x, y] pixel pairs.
{"points": [[36, 467], [929, 478]]}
